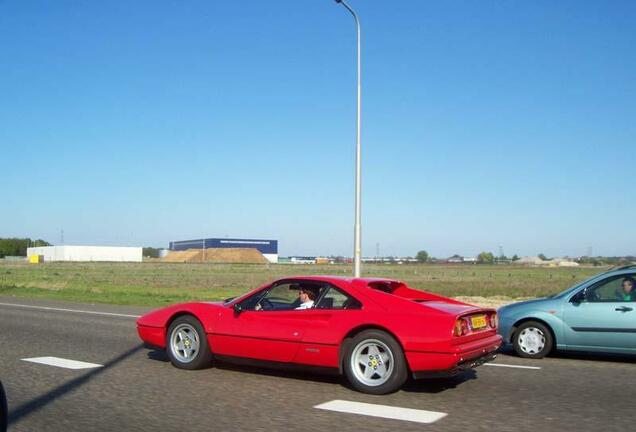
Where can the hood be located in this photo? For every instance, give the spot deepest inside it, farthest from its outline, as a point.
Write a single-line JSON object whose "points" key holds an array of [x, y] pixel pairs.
{"points": [[160, 317], [534, 302]]}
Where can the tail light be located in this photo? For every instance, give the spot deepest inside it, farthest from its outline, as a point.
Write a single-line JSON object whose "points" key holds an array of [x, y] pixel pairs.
{"points": [[461, 327], [493, 321], [457, 330]]}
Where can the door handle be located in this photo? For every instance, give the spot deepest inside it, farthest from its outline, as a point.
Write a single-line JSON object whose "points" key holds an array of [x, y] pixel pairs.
{"points": [[624, 309]]}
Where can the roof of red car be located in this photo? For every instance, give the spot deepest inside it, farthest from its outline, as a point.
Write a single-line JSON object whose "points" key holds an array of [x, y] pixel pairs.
{"points": [[341, 278], [359, 283]]}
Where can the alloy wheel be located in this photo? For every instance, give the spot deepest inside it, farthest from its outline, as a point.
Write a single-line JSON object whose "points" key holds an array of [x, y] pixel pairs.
{"points": [[184, 343], [372, 362]]}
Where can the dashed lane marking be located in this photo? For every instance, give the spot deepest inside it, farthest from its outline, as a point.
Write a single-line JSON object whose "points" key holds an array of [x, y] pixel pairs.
{"points": [[512, 366], [384, 411], [63, 363], [46, 308]]}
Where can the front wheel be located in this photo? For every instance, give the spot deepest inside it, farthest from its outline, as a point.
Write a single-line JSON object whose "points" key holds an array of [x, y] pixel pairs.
{"points": [[187, 345], [532, 340], [374, 363]]}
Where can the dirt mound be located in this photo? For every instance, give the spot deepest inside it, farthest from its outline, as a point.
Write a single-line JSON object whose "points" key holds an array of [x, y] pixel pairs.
{"points": [[237, 255], [217, 255], [182, 256]]}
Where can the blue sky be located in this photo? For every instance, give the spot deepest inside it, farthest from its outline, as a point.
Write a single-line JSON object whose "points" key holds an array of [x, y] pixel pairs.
{"points": [[485, 123]]}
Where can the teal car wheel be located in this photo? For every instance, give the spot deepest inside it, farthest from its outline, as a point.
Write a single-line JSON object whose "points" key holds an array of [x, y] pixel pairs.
{"points": [[532, 340]]}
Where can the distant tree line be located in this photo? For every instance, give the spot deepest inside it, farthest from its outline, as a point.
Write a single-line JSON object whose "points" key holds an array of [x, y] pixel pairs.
{"points": [[616, 261], [150, 252], [489, 258], [18, 246], [422, 256], [483, 258]]}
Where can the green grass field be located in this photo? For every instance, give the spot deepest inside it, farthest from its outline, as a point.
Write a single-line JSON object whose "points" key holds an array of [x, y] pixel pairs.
{"points": [[156, 283]]}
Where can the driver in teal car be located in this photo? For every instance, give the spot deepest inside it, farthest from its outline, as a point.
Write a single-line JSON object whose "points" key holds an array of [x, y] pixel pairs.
{"points": [[626, 292]]}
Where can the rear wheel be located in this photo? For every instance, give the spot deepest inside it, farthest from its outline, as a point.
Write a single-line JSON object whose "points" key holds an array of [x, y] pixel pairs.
{"points": [[533, 340], [374, 363], [187, 345]]}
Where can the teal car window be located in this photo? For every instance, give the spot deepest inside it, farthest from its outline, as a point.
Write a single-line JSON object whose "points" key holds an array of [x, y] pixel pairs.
{"points": [[614, 289]]}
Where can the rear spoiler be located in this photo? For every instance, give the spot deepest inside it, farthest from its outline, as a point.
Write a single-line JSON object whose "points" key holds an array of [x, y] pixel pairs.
{"points": [[403, 291]]}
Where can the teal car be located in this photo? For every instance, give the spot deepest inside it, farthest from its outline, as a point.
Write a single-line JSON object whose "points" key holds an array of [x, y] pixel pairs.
{"points": [[596, 315]]}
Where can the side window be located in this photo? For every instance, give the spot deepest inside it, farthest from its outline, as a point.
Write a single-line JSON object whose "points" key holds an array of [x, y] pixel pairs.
{"points": [[279, 297], [336, 299], [285, 296], [614, 289], [251, 302]]}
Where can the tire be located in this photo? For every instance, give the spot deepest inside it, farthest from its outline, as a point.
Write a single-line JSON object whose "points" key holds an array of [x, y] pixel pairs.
{"points": [[533, 340], [374, 363], [4, 410], [187, 344]]}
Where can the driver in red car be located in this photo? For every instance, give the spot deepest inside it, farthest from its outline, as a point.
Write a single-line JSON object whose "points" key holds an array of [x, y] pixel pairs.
{"points": [[307, 298]]}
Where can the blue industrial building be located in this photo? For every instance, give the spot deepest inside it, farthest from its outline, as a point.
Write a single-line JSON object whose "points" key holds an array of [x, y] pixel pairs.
{"points": [[269, 248]]}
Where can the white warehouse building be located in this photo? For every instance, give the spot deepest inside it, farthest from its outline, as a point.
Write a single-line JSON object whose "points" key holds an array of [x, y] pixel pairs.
{"points": [[88, 253]]}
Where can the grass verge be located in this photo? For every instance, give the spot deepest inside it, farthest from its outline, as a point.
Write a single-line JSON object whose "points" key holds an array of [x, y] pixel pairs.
{"points": [[157, 284]]}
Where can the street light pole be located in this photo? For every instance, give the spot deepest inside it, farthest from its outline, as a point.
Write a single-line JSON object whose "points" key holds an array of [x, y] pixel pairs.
{"points": [[357, 247]]}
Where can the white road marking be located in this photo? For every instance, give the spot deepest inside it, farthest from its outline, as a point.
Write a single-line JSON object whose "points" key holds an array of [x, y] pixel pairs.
{"points": [[68, 310], [512, 366], [385, 411], [63, 363]]}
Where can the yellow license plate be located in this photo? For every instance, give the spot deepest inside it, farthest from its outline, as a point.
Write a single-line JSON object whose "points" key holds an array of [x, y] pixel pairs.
{"points": [[478, 322]]}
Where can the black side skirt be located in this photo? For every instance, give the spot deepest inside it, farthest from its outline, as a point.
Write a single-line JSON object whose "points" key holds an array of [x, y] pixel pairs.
{"points": [[242, 361]]}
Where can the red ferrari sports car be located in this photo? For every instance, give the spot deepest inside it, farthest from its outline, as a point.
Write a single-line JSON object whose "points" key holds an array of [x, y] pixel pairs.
{"points": [[374, 331]]}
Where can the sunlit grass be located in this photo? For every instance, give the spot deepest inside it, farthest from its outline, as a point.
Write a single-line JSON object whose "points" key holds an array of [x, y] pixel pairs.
{"points": [[156, 283]]}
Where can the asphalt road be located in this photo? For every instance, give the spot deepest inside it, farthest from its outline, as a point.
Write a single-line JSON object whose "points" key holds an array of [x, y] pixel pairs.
{"points": [[136, 389]]}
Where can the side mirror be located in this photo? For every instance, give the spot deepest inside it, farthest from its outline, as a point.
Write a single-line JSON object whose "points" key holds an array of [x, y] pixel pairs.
{"points": [[237, 309], [579, 297]]}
